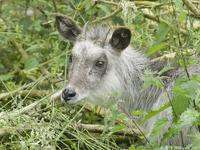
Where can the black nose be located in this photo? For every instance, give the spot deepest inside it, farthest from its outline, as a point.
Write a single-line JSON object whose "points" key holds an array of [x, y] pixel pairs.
{"points": [[68, 94]]}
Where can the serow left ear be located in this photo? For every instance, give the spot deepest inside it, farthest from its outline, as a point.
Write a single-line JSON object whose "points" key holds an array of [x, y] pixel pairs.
{"points": [[120, 39], [67, 28]]}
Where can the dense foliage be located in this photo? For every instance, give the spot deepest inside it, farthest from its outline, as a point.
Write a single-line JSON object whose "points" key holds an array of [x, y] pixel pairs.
{"points": [[33, 60]]}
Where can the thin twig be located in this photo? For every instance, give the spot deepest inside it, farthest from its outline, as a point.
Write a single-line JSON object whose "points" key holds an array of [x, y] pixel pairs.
{"points": [[12, 130], [14, 92], [108, 16], [9, 94], [97, 128], [106, 2], [54, 5], [141, 131], [104, 112], [151, 17], [183, 58], [176, 116], [23, 53], [192, 8], [137, 3], [146, 15], [19, 129], [4, 115], [121, 136], [179, 42]]}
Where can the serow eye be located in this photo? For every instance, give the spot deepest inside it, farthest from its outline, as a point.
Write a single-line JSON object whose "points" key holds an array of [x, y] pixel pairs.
{"points": [[100, 64]]}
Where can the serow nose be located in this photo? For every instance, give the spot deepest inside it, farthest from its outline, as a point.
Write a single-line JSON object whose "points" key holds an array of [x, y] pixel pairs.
{"points": [[68, 94]]}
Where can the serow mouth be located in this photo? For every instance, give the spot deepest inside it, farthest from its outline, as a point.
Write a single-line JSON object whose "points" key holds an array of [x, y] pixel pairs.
{"points": [[75, 100]]}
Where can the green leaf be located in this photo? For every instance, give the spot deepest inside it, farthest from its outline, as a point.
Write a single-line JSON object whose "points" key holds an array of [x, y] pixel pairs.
{"points": [[163, 30], [165, 70], [118, 128], [104, 8], [132, 147], [180, 101], [178, 4], [160, 37], [33, 48], [156, 48], [158, 127], [195, 78], [31, 63], [184, 92], [173, 130], [139, 113], [26, 22], [195, 141], [5, 77], [155, 112], [187, 119]]}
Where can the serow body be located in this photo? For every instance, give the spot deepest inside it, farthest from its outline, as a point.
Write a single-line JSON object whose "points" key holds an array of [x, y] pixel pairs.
{"points": [[104, 65]]}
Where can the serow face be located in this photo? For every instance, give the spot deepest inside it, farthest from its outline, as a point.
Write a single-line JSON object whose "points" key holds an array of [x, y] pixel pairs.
{"points": [[87, 68], [90, 62]]}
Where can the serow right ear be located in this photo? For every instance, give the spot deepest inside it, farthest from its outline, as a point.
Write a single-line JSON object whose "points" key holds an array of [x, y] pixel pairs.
{"points": [[120, 39], [67, 28]]}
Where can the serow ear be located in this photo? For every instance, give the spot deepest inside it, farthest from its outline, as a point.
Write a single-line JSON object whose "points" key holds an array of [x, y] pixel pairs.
{"points": [[67, 28], [120, 39]]}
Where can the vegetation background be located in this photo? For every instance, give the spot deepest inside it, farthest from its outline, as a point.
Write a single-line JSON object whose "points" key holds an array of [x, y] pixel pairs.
{"points": [[32, 67]]}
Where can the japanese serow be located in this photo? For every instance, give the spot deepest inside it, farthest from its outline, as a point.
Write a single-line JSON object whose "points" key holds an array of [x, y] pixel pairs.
{"points": [[104, 65]]}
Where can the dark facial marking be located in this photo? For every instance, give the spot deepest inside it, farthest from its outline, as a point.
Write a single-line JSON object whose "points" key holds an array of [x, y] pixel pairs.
{"points": [[100, 65]]}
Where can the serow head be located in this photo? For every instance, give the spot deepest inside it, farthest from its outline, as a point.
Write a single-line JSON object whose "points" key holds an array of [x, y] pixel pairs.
{"points": [[94, 59]]}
